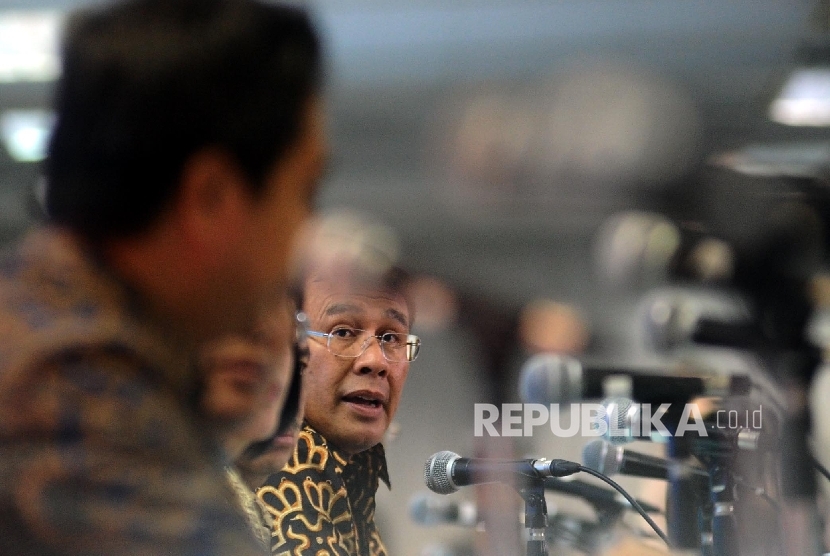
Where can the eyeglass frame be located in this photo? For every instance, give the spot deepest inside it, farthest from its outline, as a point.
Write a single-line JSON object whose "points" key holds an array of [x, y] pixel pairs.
{"points": [[300, 328], [411, 341]]}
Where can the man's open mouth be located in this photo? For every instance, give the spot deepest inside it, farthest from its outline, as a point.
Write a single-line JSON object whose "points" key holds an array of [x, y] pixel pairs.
{"points": [[363, 399]]}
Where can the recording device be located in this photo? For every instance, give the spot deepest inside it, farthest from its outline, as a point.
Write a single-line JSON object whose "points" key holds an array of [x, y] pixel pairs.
{"points": [[428, 510], [609, 459], [445, 472], [550, 378]]}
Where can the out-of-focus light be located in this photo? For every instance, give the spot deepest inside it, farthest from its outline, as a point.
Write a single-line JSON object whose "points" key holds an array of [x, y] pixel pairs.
{"points": [[635, 247], [805, 159], [29, 46], [25, 133], [547, 326], [804, 99]]}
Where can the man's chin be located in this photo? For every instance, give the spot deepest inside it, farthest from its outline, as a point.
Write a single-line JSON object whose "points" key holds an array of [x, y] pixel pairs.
{"points": [[358, 441]]}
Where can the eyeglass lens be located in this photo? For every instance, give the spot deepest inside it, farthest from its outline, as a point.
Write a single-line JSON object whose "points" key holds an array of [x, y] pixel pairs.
{"points": [[395, 347]]}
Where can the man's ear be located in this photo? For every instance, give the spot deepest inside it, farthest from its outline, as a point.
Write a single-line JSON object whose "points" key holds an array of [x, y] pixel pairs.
{"points": [[212, 201]]}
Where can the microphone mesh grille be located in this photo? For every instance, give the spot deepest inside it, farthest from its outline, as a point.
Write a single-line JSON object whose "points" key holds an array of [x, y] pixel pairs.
{"points": [[592, 455], [550, 378], [619, 418], [601, 456], [437, 472]]}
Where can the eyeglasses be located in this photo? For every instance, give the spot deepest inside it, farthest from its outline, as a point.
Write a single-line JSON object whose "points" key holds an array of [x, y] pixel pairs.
{"points": [[301, 328], [352, 342]]}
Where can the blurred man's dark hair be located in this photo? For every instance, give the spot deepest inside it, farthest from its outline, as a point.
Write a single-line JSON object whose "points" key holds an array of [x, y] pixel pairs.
{"points": [[142, 90]]}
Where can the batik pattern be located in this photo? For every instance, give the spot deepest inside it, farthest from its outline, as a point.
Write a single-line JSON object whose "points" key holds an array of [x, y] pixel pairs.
{"points": [[100, 449], [324, 504]]}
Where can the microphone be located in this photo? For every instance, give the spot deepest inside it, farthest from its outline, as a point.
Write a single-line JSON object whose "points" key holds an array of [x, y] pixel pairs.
{"points": [[681, 511], [445, 472], [428, 510], [609, 459], [550, 378], [625, 422]]}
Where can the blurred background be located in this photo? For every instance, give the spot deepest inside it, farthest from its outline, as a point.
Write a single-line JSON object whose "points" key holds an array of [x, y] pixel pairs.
{"points": [[542, 163]]}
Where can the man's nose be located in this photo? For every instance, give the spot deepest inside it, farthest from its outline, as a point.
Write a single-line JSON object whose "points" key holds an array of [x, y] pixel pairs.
{"points": [[372, 360]]}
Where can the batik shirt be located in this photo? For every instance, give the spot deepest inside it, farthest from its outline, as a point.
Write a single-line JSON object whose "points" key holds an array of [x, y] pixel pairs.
{"points": [[252, 507], [101, 451], [324, 503]]}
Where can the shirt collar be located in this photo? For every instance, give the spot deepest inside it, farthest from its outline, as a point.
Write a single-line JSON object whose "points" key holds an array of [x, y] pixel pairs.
{"points": [[373, 460]]}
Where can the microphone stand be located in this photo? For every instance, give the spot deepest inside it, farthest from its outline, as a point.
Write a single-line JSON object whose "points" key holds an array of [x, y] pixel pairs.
{"points": [[707, 547], [536, 516], [683, 501], [718, 521], [775, 270], [724, 527]]}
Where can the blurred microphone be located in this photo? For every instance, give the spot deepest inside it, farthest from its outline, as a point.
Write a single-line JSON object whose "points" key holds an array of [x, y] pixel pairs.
{"points": [[673, 316], [445, 472], [614, 460], [623, 418], [625, 421], [686, 493], [428, 510], [550, 378], [684, 530]]}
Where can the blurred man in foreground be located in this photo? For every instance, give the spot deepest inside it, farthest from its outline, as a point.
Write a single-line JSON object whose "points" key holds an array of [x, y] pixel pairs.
{"points": [[252, 395], [267, 456], [185, 157], [360, 345]]}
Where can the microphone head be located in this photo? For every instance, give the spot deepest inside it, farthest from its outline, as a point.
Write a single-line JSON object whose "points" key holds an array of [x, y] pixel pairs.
{"points": [[622, 416], [550, 378], [602, 456], [438, 471]]}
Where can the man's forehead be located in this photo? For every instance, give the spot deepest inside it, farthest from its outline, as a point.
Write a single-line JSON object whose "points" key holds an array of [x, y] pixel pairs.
{"points": [[346, 283], [396, 312], [333, 297]]}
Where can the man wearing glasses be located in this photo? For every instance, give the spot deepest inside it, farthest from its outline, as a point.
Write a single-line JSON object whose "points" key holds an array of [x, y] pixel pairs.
{"points": [[323, 501]]}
